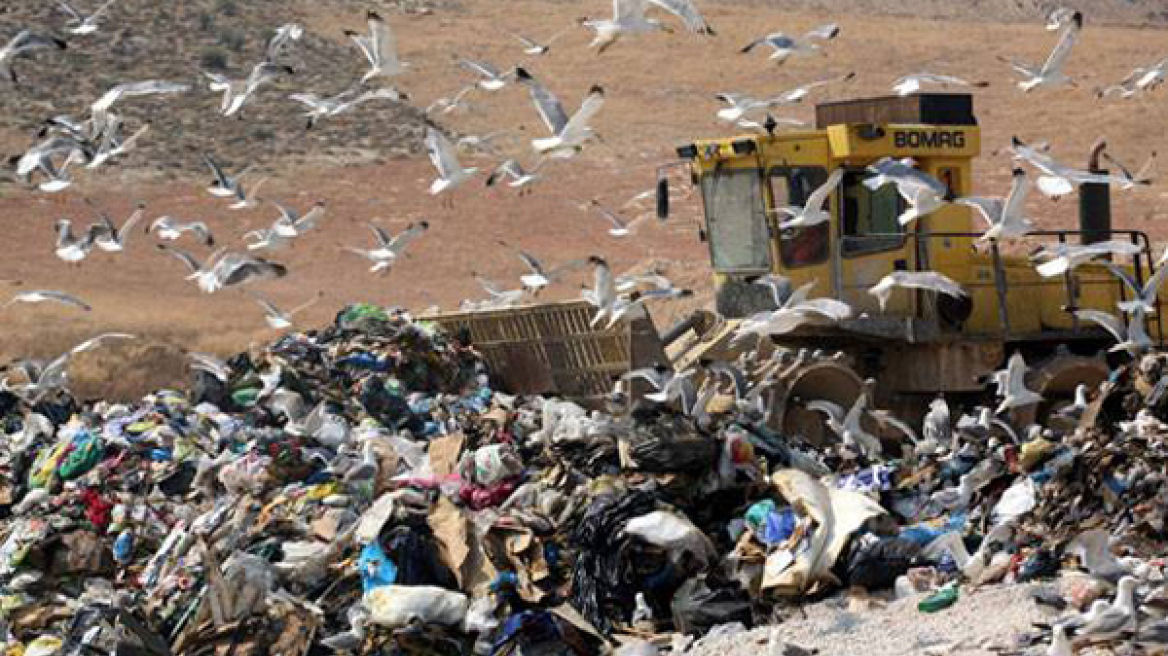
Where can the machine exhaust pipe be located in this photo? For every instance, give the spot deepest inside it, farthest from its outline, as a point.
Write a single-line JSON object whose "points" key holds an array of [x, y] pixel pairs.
{"points": [[1095, 201]]}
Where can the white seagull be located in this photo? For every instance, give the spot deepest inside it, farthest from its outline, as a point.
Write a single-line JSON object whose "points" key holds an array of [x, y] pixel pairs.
{"points": [[48, 295], [282, 38], [379, 48], [1132, 338], [112, 239], [535, 48], [445, 158], [1051, 73], [276, 318], [320, 107], [227, 269], [910, 84], [742, 106], [24, 42], [1139, 80], [814, 211], [1144, 297], [292, 224], [927, 280], [521, 178], [83, 25], [236, 93], [170, 229], [490, 79], [568, 134], [1012, 388], [389, 249], [785, 46], [629, 18], [618, 227], [1057, 259], [924, 193], [1004, 217], [70, 248], [224, 185], [1059, 180]]}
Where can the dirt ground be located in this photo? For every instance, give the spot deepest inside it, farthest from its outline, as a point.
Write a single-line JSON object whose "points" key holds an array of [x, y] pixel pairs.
{"points": [[660, 93]]}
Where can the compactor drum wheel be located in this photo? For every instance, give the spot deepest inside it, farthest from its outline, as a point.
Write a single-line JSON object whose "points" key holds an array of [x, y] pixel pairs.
{"points": [[1056, 379], [828, 378]]}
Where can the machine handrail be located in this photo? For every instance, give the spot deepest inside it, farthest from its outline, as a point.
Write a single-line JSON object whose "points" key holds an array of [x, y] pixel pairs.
{"points": [[1002, 284]]}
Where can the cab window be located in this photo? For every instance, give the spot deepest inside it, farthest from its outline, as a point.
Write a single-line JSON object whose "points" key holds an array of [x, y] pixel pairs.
{"points": [[736, 224], [790, 186], [870, 218]]}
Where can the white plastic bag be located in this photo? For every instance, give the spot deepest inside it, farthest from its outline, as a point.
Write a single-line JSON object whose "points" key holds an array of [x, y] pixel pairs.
{"points": [[672, 532], [396, 606]]}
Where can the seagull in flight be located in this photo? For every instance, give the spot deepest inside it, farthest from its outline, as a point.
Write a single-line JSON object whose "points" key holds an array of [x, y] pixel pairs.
{"points": [[276, 318], [784, 47], [1058, 180], [490, 79], [379, 48], [389, 249], [111, 238], [499, 297], [1132, 338], [741, 106], [101, 108], [319, 107], [1058, 259], [568, 134], [910, 84], [1004, 217], [49, 296], [538, 276], [444, 156], [113, 144], [926, 280], [1139, 80], [226, 269], [170, 229], [1144, 297], [619, 227], [292, 224], [224, 185], [629, 18], [1051, 73], [814, 211], [71, 249], [40, 158], [1012, 386], [83, 25], [521, 178], [924, 193], [24, 42], [236, 93], [1058, 18], [535, 48], [281, 39]]}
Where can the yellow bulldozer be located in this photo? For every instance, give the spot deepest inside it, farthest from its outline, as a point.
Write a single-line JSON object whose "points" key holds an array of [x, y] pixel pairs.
{"points": [[921, 344]]}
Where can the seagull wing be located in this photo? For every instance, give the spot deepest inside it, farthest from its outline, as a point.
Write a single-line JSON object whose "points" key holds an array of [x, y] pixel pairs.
{"points": [[94, 342], [990, 209], [549, 107], [479, 67], [412, 232], [818, 198], [687, 12], [1062, 51], [384, 43], [826, 32], [616, 221], [383, 238], [183, 256], [832, 410], [69, 10], [1124, 276], [577, 128], [1109, 322], [442, 154]]}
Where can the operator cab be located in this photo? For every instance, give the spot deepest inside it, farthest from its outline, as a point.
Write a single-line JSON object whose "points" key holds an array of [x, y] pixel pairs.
{"points": [[745, 179]]}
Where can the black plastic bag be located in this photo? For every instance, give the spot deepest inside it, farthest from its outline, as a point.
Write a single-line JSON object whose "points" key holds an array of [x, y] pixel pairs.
{"points": [[875, 566], [702, 603]]}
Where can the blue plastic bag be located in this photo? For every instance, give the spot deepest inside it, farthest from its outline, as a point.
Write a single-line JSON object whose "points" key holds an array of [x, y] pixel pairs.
{"points": [[376, 569]]}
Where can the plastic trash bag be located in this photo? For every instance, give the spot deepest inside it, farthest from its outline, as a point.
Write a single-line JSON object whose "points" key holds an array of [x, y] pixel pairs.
{"points": [[1019, 499], [701, 604], [674, 533], [396, 606], [375, 567], [875, 566]]}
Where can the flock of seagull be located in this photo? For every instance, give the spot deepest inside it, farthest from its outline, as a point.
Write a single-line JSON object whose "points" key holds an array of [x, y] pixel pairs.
{"points": [[102, 138]]}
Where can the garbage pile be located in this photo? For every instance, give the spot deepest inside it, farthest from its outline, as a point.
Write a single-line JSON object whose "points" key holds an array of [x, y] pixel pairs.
{"points": [[363, 489]]}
